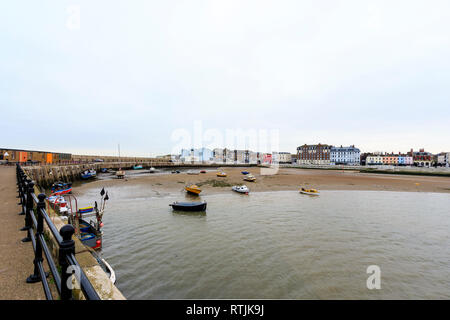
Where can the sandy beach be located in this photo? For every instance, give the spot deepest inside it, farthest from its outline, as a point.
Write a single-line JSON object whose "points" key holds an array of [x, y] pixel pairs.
{"points": [[284, 179]]}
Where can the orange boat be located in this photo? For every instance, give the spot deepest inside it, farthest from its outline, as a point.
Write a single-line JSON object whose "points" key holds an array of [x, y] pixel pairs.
{"points": [[221, 174], [194, 189]]}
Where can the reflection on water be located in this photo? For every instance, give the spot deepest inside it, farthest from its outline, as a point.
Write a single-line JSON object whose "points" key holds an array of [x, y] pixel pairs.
{"points": [[279, 245]]}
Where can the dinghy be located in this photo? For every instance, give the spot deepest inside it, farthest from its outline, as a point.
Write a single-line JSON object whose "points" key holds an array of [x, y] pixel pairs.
{"points": [[194, 189], [87, 174], [221, 174], [188, 206], [250, 178], [245, 172], [241, 189], [311, 192]]}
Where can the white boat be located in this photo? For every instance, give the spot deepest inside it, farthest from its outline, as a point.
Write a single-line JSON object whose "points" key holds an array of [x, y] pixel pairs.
{"points": [[241, 189], [58, 203], [152, 170]]}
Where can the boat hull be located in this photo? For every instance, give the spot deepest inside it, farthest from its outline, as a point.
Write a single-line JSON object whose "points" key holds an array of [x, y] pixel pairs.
{"points": [[193, 191], [188, 206], [310, 193]]}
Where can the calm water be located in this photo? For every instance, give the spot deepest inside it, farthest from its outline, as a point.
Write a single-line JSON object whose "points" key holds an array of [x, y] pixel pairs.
{"points": [[278, 245]]}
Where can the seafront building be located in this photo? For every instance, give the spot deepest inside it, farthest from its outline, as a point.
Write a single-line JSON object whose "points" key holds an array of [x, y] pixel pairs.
{"points": [[345, 155], [443, 159], [421, 158], [313, 154], [281, 157]]}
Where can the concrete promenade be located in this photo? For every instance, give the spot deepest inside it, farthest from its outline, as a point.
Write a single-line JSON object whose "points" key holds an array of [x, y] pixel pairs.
{"points": [[16, 257]]}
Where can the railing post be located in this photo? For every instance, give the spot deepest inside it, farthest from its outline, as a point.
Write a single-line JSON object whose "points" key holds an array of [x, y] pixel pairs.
{"points": [[28, 212], [22, 190], [66, 247], [35, 277]]}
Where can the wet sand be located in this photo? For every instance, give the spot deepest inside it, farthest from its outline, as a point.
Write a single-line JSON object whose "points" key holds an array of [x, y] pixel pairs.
{"points": [[284, 179]]}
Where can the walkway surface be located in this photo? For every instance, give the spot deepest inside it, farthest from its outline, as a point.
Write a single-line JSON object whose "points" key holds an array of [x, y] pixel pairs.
{"points": [[16, 257]]}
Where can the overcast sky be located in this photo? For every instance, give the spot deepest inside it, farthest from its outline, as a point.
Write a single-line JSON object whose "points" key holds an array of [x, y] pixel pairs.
{"points": [[371, 73]]}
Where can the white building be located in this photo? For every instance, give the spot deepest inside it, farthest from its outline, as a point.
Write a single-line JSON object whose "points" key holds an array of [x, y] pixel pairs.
{"points": [[443, 159], [345, 155], [374, 160]]}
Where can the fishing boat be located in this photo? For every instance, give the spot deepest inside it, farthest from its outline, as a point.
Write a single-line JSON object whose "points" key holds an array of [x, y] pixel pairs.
{"points": [[221, 174], [58, 203], [241, 189], [152, 170], [189, 206], [120, 174], [250, 178], [87, 174], [59, 188], [245, 172], [311, 192], [137, 167], [194, 189], [87, 221]]}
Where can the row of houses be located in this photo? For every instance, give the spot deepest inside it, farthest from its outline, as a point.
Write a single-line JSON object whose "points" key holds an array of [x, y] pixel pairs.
{"points": [[219, 155], [316, 154], [324, 154]]}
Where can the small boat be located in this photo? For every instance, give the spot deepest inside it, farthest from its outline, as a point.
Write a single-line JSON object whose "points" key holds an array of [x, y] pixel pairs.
{"points": [[87, 174], [194, 189], [152, 170], [312, 192], [58, 203], [188, 206], [193, 172], [221, 174], [250, 178], [87, 221], [103, 170], [241, 189], [202, 171], [120, 174], [137, 167], [245, 172], [59, 188]]}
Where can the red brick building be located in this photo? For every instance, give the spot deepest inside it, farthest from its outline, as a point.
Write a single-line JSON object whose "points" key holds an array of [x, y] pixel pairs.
{"points": [[313, 154]]}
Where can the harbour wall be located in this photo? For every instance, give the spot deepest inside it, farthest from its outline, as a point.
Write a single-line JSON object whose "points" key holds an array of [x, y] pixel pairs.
{"points": [[45, 175]]}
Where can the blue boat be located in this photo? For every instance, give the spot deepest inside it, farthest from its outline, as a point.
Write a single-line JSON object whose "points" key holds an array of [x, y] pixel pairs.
{"points": [[137, 167], [245, 172], [87, 174], [104, 170]]}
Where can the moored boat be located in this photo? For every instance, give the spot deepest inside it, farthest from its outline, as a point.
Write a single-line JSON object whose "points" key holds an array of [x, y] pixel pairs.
{"points": [[250, 178], [87, 221], [188, 206], [137, 167], [103, 170], [221, 174], [194, 189], [311, 192], [120, 174], [241, 189], [87, 174], [202, 171], [59, 188], [152, 170], [193, 172], [245, 172]]}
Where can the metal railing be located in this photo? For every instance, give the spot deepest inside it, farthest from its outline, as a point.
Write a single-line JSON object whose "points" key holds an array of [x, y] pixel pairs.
{"points": [[33, 208]]}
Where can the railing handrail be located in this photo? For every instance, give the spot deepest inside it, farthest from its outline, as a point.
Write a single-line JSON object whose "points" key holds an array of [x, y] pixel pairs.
{"points": [[34, 225]]}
